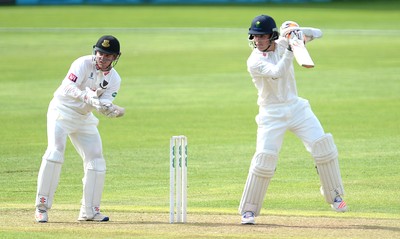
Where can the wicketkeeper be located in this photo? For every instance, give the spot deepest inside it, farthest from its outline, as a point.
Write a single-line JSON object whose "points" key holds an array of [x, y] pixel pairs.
{"points": [[281, 109], [91, 84]]}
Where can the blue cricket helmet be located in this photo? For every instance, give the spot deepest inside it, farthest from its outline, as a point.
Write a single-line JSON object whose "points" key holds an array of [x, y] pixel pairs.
{"points": [[262, 25]]}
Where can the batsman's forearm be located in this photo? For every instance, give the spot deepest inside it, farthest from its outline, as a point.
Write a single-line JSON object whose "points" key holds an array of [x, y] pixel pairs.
{"points": [[276, 71], [311, 33]]}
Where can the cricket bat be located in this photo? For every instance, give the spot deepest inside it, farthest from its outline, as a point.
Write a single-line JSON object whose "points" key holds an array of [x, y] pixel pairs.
{"points": [[300, 51]]}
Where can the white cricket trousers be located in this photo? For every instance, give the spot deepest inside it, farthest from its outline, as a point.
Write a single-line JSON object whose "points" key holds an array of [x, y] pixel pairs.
{"points": [[82, 130], [274, 120]]}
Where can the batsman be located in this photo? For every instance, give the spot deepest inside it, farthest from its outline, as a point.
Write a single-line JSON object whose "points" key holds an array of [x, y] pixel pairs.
{"points": [[91, 84], [281, 109]]}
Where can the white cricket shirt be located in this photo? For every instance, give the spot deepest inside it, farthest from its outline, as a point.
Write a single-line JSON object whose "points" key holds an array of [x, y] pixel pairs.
{"points": [[82, 74], [273, 75]]}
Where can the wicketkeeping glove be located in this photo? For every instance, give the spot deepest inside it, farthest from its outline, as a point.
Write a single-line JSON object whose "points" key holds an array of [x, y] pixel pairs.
{"points": [[91, 97], [112, 111]]}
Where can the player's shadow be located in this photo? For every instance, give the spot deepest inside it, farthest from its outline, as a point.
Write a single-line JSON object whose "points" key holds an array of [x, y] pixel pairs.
{"points": [[271, 225], [258, 225]]}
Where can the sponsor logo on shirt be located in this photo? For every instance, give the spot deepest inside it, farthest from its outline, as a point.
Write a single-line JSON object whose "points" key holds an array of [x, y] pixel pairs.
{"points": [[72, 77]]}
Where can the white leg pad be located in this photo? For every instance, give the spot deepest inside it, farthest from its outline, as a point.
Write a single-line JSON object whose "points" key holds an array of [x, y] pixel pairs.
{"points": [[261, 171], [326, 159], [49, 175], [93, 184]]}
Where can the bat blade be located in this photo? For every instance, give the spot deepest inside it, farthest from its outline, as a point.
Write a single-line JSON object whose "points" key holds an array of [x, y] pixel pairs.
{"points": [[302, 56]]}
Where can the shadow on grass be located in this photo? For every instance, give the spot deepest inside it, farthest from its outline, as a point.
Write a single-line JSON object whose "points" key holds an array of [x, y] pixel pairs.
{"points": [[217, 225]]}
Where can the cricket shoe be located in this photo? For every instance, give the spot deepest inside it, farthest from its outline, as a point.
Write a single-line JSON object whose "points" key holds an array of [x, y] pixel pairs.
{"points": [[248, 218], [95, 214], [41, 215], [339, 205], [98, 217]]}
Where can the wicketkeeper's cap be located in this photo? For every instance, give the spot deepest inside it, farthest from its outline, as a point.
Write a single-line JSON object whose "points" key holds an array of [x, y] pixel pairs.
{"points": [[107, 44]]}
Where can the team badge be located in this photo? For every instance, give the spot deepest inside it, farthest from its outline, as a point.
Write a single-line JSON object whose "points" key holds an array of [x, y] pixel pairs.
{"points": [[106, 43]]}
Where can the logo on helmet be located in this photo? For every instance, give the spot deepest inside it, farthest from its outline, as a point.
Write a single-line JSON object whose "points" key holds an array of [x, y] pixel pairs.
{"points": [[258, 24], [106, 43]]}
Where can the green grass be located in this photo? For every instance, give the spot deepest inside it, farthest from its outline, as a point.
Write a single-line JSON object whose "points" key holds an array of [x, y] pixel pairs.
{"points": [[183, 71]]}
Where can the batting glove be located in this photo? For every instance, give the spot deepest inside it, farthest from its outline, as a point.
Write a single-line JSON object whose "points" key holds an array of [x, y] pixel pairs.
{"points": [[288, 27], [296, 38]]}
